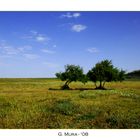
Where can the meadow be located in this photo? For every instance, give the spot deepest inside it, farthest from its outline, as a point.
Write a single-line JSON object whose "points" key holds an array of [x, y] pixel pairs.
{"points": [[41, 104]]}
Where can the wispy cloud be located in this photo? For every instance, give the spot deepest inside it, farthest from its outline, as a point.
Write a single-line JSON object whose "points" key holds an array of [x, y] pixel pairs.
{"points": [[36, 36], [2, 42], [34, 32], [7, 49], [31, 56], [92, 50], [54, 46], [42, 38], [70, 15], [51, 65], [11, 50], [48, 51], [24, 48], [78, 27]]}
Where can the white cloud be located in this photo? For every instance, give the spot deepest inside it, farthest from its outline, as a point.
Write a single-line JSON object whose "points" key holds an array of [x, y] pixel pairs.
{"points": [[76, 15], [40, 38], [7, 50], [31, 56], [78, 27], [34, 32], [35, 36], [10, 50], [2, 42], [51, 65], [24, 48], [70, 15], [54, 46], [47, 51], [93, 50]]}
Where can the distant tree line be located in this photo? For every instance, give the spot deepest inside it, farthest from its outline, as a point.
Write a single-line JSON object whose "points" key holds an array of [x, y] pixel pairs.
{"points": [[101, 73], [133, 75]]}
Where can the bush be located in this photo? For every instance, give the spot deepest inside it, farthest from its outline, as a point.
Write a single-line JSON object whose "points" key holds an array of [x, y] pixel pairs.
{"points": [[64, 107]]}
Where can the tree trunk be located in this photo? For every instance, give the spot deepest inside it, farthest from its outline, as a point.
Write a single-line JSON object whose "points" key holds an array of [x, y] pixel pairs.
{"points": [[103, 84], [95, 84], [100, 85], [66, 85]]}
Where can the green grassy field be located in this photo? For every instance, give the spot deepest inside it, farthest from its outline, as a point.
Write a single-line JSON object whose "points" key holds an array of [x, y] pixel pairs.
{"points": [[39, 103]]}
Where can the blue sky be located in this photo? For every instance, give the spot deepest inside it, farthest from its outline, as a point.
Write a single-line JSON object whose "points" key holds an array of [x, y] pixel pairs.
{"points": [[39, 44]]}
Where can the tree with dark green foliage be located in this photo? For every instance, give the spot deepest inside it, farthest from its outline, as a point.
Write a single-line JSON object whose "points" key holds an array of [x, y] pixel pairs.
{"points": [[122, 75], [133, 75], [104, 72], [72, 73]]}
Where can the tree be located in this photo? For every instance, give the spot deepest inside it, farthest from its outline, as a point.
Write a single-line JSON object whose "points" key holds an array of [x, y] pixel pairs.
{"points": [[122, 75], [72, 73], [133, 75], [104, 72]]}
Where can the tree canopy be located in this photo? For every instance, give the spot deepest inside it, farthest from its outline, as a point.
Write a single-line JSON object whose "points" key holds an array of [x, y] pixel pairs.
{"points": [[104, 72], [101, 73], [72, 73], [133, 75]]}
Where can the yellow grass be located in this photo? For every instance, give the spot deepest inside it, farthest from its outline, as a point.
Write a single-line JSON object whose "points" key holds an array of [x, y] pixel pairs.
{"points": [[28, 103]]}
